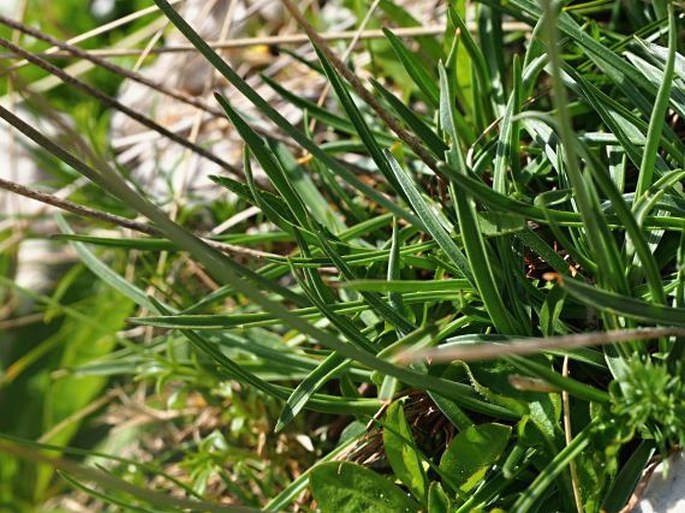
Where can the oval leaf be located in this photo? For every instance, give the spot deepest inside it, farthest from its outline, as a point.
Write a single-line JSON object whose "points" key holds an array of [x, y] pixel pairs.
{"points": [[341, 487], [473, 452], [400, 450], [438, 501]]}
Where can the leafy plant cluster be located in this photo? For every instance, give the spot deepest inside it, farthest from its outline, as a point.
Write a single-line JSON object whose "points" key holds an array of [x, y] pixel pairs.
{"points": [[525, 189]]}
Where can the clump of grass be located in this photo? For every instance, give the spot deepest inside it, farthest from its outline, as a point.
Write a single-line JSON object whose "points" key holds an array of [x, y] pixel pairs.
{"points": [[434, 222]]}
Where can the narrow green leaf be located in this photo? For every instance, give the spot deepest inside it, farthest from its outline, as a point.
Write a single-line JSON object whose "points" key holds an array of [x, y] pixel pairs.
{"points": [[580, 390], [413, 121], [656, 121], [452, 411], [268, 162], [427, 44], [231, 370], [412, 64], [225, 70], [429, 220], [325, 116], [481, 87], [104, 272], [333, 364], [472, 237], [507, 144], [408, 285], [627, 306], [545, 478], [355, 116], [628, 477], [386, 311]]}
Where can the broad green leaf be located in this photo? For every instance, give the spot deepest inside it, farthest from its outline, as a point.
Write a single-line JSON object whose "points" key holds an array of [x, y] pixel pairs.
{"points": [[401, 452], [473, 452], [341, 487], [290, 493]]}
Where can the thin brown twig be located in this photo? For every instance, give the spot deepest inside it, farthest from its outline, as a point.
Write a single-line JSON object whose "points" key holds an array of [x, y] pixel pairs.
{"points": [[92, 57], [75, 208], [346, 55], [115, 104], [494, 350], [100, 29], [99, 61], [18, 322], [288, 39], [83, 211], [568, 436]]}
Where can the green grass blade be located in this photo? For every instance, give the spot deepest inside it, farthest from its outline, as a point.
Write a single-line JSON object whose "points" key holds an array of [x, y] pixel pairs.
{"points": [[381, 307], [472, 237], [355, 116], [325, 116], [572, 386], [656, 121], [531, 495], [429, 221], [626, 306], [480, 66], [423, 131], [106, 274], [226, 71], [451, 285], [268, 162], [299, 398], [415, 69], [628, 477], [428, 45]]}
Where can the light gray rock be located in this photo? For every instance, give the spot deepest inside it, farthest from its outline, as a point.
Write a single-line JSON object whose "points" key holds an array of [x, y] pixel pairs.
{"points": [[665, 490]]}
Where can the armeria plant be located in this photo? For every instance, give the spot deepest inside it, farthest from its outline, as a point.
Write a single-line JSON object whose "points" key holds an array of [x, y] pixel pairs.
{"points": [[500, 252]]}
